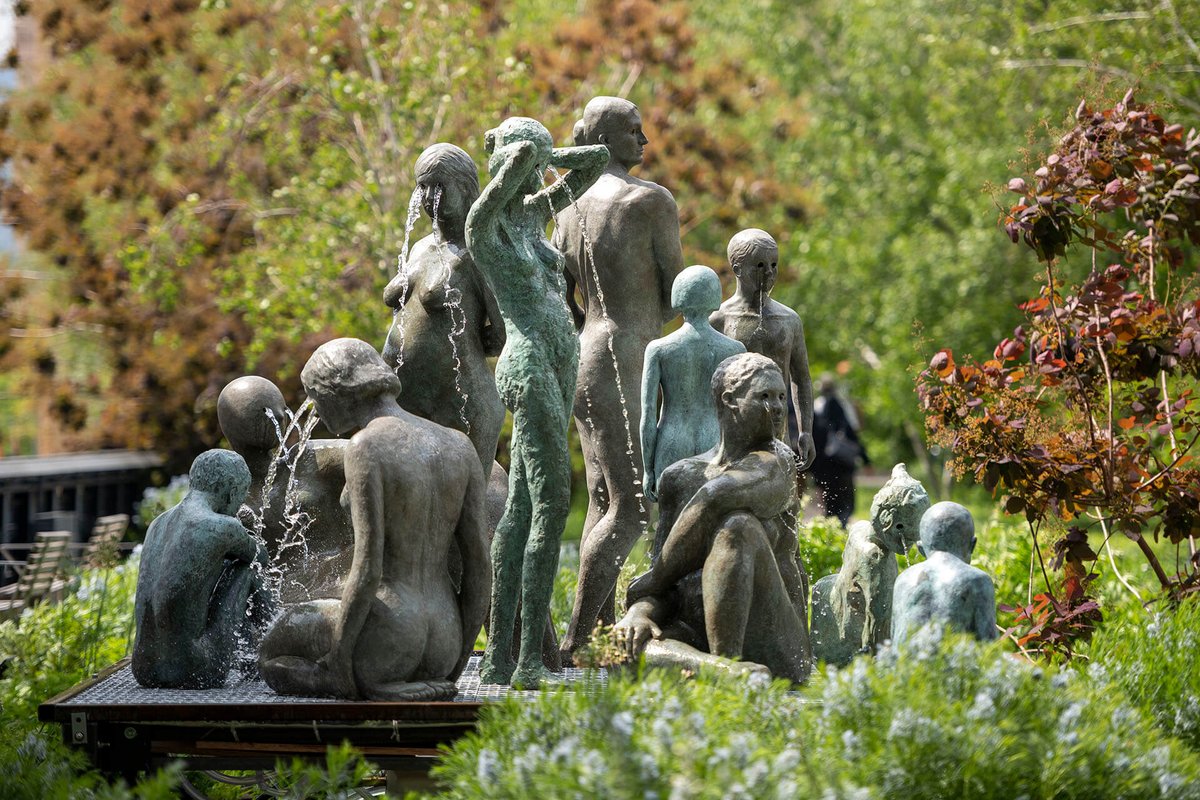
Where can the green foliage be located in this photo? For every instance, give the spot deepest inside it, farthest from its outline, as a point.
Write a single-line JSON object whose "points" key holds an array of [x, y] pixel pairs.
{"points": [[822, 541], [53, 646], [155, 500], [951, 718], [1157, 666], [342, 771], [35, 765]]}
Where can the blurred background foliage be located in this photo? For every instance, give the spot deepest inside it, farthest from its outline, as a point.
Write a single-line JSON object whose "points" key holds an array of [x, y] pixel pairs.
{"points": [[213, 188]]}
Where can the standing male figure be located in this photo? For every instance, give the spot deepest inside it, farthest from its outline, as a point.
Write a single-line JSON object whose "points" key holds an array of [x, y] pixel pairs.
{"points": [[633, 228], [768, 327]]}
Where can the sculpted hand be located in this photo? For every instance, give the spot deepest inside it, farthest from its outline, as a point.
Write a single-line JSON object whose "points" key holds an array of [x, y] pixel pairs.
{"points": [[648, 487], [807, 450], [633, 632]]}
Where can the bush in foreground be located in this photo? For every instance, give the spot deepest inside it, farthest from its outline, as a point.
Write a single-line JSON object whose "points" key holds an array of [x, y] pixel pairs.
{"points": [[951, 718]]}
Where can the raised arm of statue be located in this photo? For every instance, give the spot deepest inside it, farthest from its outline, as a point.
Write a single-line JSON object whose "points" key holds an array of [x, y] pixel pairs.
{"points": [[471, 536], [651, 373], [802, 397], [585, 163], [517, 161], [364, 485]]}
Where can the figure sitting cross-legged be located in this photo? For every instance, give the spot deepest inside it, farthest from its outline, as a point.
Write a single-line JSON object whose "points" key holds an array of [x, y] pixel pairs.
{"points": [[725, 582]]}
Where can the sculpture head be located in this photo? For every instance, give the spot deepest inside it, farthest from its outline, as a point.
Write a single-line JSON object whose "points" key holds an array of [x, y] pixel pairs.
{"points": [[897, 509], [751, 398], [448, 173], [696, 290], [345, 379], [242, 412], [519, 129], [948, 528], [754, 258], [615, 123], [222, 477]]}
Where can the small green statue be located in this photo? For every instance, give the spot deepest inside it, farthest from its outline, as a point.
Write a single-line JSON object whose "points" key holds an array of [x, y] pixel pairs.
{"points": [[681, 366], [945, 589], [852, 609], [506, 237]]}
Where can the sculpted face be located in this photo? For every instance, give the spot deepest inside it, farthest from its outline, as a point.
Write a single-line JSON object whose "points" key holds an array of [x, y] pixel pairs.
{"points": [[760, 406], [625, 140], [452, 204], [338, 414], [758, 268]]}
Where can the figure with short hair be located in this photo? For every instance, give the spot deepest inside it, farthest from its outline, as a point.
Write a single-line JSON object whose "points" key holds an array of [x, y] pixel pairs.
{"points": [[625, 282], [313, 563], [839, 450], [724, 582], [200, 569], [945, 589], [768, 327], [852, 609], [680, 366], [400, 631]]}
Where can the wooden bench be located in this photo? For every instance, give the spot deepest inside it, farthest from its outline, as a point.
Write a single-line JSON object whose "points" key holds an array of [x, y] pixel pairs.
{"points": [[39, 577], [102, 548]]}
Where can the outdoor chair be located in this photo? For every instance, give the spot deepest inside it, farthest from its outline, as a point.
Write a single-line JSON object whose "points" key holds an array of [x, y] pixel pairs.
{"points": [[103, 545], [39, 577]]}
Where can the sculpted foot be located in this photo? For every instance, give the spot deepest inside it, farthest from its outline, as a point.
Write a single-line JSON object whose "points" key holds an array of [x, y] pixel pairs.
{"points": [[532, 677], [494, 669], [413, 692]]}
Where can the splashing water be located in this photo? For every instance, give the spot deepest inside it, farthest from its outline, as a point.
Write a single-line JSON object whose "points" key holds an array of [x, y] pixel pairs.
{"points": [[414, 211], [453, 304], [612, 352], [295, 520]]}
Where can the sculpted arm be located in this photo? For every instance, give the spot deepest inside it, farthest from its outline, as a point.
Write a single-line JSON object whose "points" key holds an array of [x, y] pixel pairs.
{"points": [[802, 396], [493, 334], [983, 626], [365, 486], [650, 377], [757, 484], [668, 253], [519, 159], [585, 163], [471, 535]]}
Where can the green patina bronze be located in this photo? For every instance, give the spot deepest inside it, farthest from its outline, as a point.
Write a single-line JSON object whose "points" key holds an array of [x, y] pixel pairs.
{"points": [[680, 366], [505, 236], [945, 589], [852, 609]]}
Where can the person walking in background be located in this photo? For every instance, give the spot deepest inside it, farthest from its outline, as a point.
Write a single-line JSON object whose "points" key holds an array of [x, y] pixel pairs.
{"points": [[839, 451]]}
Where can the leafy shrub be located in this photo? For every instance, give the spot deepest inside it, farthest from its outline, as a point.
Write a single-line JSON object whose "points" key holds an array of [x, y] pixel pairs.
{"points": [[157, 499], [951, 718], [822, 540], [1157, 665]]}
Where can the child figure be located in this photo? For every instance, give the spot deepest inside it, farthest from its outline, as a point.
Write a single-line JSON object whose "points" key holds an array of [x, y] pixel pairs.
{"points": [[681, 364], [767, 327]]}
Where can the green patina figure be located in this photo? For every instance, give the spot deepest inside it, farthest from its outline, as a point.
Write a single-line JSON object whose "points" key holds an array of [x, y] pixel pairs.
{"points": [[945, 589], [852, 609], [505, 235], [680, 366]]}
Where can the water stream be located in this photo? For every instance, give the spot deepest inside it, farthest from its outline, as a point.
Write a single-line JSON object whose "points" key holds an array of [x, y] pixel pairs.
{"points": [[414, 211]]}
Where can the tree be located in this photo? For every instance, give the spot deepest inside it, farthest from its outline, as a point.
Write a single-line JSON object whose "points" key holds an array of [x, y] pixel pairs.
{"points": [[1088, 413]]}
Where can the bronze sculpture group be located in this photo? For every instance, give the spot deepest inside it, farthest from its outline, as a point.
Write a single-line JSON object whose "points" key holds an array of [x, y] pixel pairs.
{"points": [[384, 600]]}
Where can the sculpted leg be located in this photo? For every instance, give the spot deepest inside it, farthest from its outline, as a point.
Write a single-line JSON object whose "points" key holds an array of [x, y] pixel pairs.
{"points": [[674, 654], [549, 475], [728, 580], [508, 551], [290, 652]]}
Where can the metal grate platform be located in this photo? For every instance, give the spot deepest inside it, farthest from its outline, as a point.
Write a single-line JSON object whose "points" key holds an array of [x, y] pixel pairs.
{"points": [[120, 688]]}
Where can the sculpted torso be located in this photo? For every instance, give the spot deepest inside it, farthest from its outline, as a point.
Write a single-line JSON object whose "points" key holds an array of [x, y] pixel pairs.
{"points": [[774, 333], [447, 296], [946, 590], [851, 609]]}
